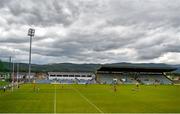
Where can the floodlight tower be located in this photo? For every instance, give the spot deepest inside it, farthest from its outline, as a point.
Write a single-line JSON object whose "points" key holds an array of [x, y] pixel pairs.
{"points": [[13, 77], [31, 33]]}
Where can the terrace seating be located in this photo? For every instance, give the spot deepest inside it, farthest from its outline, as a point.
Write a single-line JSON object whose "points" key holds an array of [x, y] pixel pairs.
{"points": [[154, 79], [44, 81], [68, 81], [106, 79], [85, 81], [130, 79]]}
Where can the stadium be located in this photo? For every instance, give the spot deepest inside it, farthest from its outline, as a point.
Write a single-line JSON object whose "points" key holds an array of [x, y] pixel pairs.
{"points": [[110, 89], [89, 56]]}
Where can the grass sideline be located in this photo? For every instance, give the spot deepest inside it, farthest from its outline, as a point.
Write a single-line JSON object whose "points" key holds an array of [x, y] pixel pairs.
{"points": [[52, 98]]}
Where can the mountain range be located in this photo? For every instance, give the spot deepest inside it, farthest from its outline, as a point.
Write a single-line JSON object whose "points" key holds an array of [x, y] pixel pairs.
{"points": [[57, 67]]}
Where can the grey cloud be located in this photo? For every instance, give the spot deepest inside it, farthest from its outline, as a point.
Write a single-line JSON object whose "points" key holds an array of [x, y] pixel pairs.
{"points": [[153, 13], [13, 40], [92, 29], [42, 12]]}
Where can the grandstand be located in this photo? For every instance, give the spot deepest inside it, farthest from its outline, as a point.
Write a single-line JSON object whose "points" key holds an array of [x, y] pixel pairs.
{"points": [[112, 74], [71, 77], [133, 74]]}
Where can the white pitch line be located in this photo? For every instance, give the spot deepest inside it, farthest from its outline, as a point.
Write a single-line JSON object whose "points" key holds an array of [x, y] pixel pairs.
{"points": [[92, 104], [55, 99]]}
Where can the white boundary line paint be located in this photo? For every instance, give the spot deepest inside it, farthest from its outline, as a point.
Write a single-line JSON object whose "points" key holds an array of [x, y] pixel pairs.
{"points": [[55, 99], [97, 113], [92, 104]]}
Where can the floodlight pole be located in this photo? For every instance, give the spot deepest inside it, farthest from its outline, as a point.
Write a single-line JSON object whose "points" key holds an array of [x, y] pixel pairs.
{"points": [[31, 34], [10, 74], [13, 77], [30, 57]]}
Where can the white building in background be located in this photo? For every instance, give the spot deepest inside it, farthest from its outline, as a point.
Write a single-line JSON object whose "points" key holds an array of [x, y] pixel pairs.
{"points": [[23, 75], [71, 75]]}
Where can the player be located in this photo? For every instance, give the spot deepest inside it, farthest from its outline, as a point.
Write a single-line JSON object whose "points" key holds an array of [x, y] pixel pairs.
{"points": [[136, 88], [4, 88], [137, 85], [86, 84]]}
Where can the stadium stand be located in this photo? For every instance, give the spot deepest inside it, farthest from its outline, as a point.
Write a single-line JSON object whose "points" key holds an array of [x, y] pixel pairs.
{"points": [[111, 75], [154, 79], [72, 77], [133, 75], [45, 81], [106, 78], [109, 78]]}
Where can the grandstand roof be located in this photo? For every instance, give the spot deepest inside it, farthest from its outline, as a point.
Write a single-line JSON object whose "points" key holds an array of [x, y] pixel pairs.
{"points": [[114, 68]]}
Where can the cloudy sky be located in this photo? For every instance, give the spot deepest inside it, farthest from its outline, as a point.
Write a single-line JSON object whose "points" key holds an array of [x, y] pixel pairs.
{"points": [[91, 31]]}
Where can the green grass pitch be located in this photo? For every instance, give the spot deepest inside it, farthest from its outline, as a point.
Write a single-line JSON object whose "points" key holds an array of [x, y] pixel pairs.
{"points": [[91, 99], [2, 83]]}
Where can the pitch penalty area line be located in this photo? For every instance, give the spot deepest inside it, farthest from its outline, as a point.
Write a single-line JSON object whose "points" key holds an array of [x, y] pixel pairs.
{"points": [[85, 98]]}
